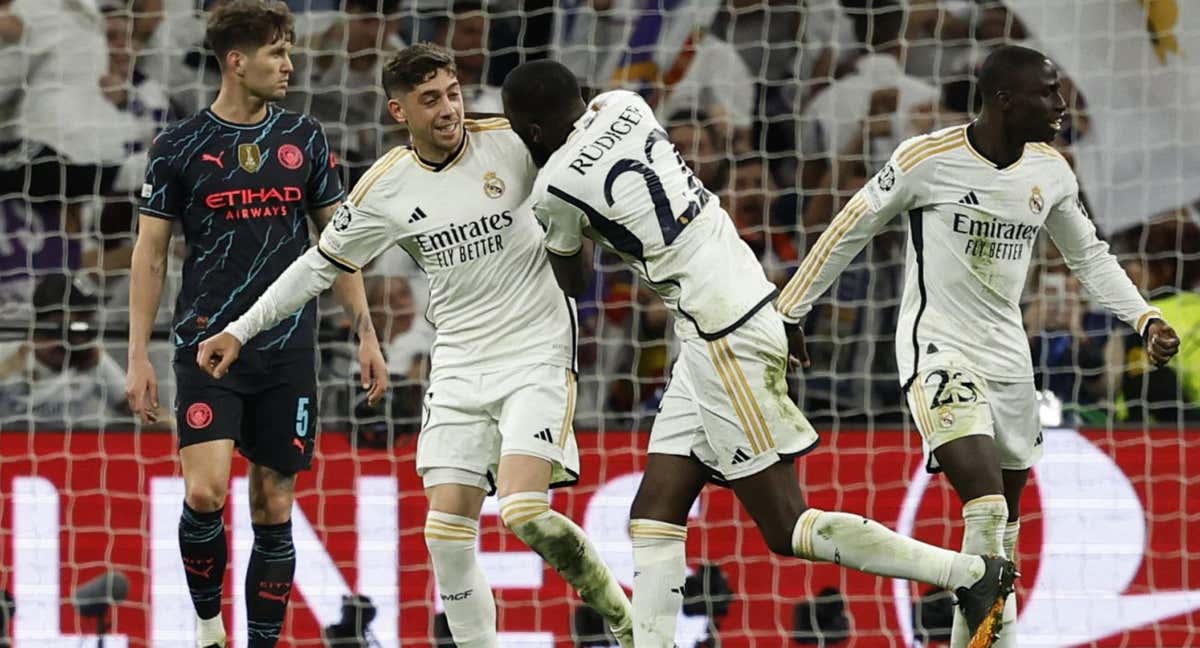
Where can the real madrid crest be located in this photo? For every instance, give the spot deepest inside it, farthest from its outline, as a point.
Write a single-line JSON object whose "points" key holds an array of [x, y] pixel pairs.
{"points": [[1036, 202], [249, 157], [493, 186]]}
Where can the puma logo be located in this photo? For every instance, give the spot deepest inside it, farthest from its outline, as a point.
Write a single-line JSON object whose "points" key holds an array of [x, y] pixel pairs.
{"points": [[282, 598], [205, 157], [203, 573], [299, 444]]}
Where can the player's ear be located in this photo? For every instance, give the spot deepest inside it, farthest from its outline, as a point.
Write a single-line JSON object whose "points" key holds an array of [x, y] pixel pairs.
{"points": [[235, 60], [396, 110]]}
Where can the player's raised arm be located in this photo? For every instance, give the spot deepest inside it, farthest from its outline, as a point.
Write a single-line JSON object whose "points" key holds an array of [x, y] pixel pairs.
{"points": [[1088, 257], [890, 192]]}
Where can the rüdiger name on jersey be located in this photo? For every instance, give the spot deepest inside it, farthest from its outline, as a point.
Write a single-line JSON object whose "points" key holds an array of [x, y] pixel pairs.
{"points": [[620, 182], [972, 229]]}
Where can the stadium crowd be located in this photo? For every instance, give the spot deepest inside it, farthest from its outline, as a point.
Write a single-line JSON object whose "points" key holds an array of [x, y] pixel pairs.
{"points": [[782, 108]]}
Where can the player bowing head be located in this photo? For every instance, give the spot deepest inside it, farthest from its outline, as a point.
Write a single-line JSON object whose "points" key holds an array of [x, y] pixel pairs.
{"points": [[1021, 89], [253, 42], [423, 93], [541, 99]]}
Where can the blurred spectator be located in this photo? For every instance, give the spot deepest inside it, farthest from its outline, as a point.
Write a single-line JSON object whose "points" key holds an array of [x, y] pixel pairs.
{"points": [[874, 106], [337, 81], [765, 217], [33, 242], [466, 32], [63, 147], [407, 341], [697, 143], [61, 377], [1169, 271]]}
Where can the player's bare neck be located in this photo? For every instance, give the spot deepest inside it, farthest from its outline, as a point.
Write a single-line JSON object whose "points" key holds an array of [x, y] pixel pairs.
{"points": [[433, 155], [238, 107], [990, 139]]}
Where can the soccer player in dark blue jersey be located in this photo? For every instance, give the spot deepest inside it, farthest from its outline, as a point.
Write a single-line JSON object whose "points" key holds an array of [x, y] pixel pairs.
{"points": [[242, 179]]}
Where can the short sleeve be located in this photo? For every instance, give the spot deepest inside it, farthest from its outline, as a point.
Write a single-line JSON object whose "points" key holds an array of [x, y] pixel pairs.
{"points": [[163, 194], [355, 236], [562, 221], [324, 183]]}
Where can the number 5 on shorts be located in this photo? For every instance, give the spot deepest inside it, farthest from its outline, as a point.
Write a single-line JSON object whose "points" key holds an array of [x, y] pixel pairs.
{"points": [[302, 416]]}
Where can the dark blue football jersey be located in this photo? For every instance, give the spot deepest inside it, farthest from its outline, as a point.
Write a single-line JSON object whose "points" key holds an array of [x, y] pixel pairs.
{"points": [[242, 193]]}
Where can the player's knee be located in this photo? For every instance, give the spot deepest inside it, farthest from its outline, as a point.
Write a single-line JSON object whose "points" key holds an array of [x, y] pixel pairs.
{"points": [[518, 511], [206, 497]]}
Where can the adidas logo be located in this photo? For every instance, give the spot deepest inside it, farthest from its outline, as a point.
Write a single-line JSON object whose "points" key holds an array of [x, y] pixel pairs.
{"points": [[679, 590], [418, 214], [544, 435], [969, 199], [739, 456]]}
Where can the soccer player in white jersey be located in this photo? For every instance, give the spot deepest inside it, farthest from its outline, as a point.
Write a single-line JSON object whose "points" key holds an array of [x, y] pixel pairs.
{"points": [[976, 197], [609, 174], [501, 398]]}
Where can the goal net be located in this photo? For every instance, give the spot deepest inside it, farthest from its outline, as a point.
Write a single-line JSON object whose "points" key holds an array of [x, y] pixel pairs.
{"points": [[783, 110]]}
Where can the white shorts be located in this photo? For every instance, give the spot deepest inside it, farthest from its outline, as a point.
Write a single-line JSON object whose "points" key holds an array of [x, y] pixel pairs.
{"points": [[949, 401], [727, 403], [470, 421]]}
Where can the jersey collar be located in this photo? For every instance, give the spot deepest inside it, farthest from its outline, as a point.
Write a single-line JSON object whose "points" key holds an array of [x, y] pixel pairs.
{"points": [[450, 160], [982, 158]]}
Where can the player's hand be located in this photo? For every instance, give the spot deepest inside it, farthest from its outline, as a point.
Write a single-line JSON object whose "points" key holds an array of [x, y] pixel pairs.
{"points": [[797, 353], [1162, 343], [374, 369], [217, 353], [141, 389]]}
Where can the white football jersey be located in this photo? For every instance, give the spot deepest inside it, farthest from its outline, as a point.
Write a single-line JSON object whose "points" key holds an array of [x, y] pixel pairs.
{"points": [[972, 229], [619, 181], [493, 299]]}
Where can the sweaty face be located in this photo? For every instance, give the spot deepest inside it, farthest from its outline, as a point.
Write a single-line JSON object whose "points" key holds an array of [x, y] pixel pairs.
{"points": [[266, 72], [1036, 106], [433, 112]]}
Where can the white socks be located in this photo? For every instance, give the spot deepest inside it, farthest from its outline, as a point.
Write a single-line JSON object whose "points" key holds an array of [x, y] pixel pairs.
{"points": [[210, 632], [466, 595], [1008, 634], [866, 545], [659, 569], [565, 547], [985, 519]]}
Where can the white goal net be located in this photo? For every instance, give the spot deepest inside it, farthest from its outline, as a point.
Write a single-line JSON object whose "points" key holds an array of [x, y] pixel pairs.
{"points": [[783, 108]]}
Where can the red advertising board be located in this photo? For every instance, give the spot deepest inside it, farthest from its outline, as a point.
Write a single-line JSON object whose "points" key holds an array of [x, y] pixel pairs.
{"points": [[1106, 550]]}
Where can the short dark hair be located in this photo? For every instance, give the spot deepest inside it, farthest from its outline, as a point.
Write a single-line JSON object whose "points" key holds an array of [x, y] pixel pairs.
{"points": [[245, 24], [1005, 67], [541, 87], [414, 65]]}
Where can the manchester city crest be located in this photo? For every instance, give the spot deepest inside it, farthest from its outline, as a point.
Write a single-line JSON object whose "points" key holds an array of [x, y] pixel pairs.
{"points": [[493, 186], [1036, 202], [249, 157]]}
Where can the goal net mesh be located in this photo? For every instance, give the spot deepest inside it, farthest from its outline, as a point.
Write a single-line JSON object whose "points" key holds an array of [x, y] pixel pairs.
{"points": [[783, 110]]}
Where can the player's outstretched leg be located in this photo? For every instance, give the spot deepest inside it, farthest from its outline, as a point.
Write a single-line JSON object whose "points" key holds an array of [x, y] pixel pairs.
{"points": [[658, 528], [202, 541], [272, 558], [773, 499], [451, 531], [525, 509]]}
